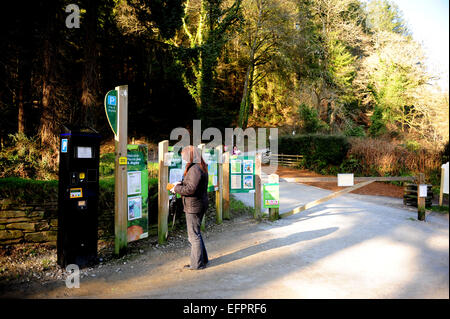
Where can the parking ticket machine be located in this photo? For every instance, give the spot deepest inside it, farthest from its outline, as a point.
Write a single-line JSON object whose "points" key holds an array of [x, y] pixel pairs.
{"points": [[78, 190]]}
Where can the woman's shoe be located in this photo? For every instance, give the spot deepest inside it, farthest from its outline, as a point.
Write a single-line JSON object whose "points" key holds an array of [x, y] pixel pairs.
{"points": [[190, 268]]}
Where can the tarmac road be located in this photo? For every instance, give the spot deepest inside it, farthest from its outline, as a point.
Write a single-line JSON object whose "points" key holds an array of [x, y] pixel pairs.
{"points": [[354, 246]]}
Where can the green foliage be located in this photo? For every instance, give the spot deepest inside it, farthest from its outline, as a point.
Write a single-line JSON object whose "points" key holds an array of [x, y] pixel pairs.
{"points": [[351, 129], [445, 153], [237, 207], [392, 84], [153, 200], [341, 68], [384, 15], [350, 165], [309, 120], [166, 14], [22, 157], [412, 145], [106, 167], [378, 125], [28, 190], [440, 209]]}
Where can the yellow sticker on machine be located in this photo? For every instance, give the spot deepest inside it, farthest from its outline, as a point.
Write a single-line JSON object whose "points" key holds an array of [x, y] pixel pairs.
{"points": [[76, 193], [122, 160]]}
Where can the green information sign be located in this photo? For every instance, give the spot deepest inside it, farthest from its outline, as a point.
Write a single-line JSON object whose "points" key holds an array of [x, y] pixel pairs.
{"points": [[175, 163], [211, 158], [111, 103], [271, 195], [242, 174], [137, 184]]}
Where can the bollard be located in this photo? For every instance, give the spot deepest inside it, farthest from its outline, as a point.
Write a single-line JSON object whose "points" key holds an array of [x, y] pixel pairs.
{"points": [[163, 196], [420, 199]]}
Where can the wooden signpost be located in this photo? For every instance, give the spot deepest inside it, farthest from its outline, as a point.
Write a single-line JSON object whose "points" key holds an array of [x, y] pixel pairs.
{"points": [[226, 186], [116, 106], [257, 195], [219, 191], [163, 196], [420, 198]]}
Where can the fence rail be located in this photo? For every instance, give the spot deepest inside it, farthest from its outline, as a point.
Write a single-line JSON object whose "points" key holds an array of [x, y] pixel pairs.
{"points": [[356, 179], [285, 159]]}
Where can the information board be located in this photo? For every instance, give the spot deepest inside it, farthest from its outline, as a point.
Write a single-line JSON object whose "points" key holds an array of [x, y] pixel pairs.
{"points": [[210, 156], [242, 173], [176, 166], [137, 192], [271, 195]]}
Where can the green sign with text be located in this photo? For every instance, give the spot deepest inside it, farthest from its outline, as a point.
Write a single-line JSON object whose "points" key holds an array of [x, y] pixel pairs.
{"points": [[271, 195], [242, 174], [137, 192], [111, 103]]}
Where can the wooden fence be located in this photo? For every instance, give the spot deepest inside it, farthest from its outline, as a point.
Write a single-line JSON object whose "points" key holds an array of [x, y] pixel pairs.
{"points": [[286, 160]]}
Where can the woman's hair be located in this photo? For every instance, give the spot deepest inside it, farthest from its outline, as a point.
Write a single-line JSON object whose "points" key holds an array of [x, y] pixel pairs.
{"points": [[194, 156]]}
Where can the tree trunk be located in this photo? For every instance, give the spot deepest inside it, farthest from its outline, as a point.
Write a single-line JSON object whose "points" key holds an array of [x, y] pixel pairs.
{"points": [[245, 102], [46, 129], [89, 83], [21, 112]]}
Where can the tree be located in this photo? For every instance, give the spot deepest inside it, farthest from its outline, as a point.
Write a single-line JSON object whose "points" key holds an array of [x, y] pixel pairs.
{"points": [[206, 25], [397, 69], [385, 16], [266, 25]]}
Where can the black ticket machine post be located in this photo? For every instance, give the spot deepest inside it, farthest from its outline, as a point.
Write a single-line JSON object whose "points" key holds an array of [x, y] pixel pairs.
{"points": [[78, 192]]}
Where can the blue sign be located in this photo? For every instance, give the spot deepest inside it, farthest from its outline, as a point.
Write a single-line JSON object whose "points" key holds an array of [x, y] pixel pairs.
{"points": [[112, 100], [64, 145]]}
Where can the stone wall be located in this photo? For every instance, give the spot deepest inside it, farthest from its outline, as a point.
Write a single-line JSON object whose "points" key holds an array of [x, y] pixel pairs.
{"points": [[38, 223], [27, 223]]}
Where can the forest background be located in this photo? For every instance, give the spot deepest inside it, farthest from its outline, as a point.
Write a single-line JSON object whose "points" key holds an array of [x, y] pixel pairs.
{"points": [[322, 71]]}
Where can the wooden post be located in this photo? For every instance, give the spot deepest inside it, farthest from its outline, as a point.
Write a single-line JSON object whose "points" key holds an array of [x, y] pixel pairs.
{"points": [[226, 185], [220, 185], [420, 200], [163, 196], [257, 197], [441, 191], [274, 214], [120, 173]]}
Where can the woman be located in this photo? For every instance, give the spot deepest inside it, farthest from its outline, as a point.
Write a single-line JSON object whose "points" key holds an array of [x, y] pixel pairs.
{"points": [[194, 192]]}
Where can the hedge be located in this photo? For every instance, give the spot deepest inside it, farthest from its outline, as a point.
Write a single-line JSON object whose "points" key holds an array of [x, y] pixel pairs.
{"points": [[327, 149]]}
